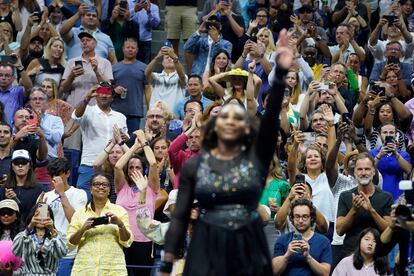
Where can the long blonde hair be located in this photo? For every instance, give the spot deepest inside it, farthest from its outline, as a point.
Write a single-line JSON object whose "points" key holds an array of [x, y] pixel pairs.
{"points": [[48, 49], [271, 47]]}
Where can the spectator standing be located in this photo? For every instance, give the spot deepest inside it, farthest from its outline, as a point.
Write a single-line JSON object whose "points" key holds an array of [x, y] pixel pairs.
{"points": [[195, 91], [130, 86], [100, 248], [147, 17], [120, 27], [89, 22], [203, 47], [49, 66], [40, 245], [5, 150], [303, 251], [169, 85], [390, 161], [21, 184], [134, 187], [31, 46], [232, 25], [365, 260], [10, 13], [51, 125], [12, 97], [84, 71], [363, 206], [346, 45], [63, 200], [181, 20], [96, 124], [393, 50], [29, 136]]}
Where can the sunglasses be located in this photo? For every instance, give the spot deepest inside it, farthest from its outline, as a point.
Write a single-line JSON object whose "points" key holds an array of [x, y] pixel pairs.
{"points": [[19, 162], [8, 212]]}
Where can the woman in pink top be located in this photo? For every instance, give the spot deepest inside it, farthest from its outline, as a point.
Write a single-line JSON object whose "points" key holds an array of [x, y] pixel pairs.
{"points": [[128, 195]]}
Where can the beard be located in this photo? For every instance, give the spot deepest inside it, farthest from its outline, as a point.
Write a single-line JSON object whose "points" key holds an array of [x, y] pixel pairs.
{"points": [[364, 180], [36, 54]]}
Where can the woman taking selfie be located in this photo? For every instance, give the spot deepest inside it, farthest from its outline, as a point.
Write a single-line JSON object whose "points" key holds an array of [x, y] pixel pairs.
{"points": [[100, 230], [40, 245], [227, 179]]}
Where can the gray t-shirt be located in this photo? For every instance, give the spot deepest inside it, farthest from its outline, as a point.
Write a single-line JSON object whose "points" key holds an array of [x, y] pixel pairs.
{"points": [[130, 76]]}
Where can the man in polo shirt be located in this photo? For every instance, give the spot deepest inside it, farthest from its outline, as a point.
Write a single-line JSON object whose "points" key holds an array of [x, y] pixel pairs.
{"points": [[13, 97], [195, 89], [83, 72], [96, 124], [89, 22], [169, 85]]}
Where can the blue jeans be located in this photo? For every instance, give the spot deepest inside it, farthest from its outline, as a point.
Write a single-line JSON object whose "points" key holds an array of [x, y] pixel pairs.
{"points": [[133, 123], [85, 174], [65, 267]]}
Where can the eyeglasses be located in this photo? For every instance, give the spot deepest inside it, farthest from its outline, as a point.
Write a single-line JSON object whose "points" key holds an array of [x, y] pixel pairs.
{"points": [[261, 16], [101, 184], [155, 116], [303, 217], [8, 212], [393, 49], [19, 162]]}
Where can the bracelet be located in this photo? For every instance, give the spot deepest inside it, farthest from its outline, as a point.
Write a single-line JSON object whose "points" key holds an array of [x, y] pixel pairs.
{"points": [[372, 111], [166, 267], [62, 195]]}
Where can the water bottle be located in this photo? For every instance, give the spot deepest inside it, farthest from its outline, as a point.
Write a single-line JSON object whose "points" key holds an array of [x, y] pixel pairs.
{"points": [[124, 94]]}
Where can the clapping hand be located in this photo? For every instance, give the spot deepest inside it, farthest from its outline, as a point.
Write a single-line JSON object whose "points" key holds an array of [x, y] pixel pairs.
{"points": [[140, 181]]}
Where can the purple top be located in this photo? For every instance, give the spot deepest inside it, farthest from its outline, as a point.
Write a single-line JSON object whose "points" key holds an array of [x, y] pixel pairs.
{"points": [[13, 99]]}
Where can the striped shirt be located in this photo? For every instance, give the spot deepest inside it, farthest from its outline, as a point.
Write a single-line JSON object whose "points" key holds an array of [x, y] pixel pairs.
{"points": [[39, 259]]}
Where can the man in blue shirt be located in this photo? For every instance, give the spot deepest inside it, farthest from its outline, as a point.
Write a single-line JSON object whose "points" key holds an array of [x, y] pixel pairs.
{"points": [[89, 22], [195, 89], [204, 46], [13, 97], [391, 162], [147, 16], [52, 126], [303, 252]]}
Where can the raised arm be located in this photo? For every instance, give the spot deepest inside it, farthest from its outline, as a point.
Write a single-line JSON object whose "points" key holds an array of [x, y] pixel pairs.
{"points": [[250, 91], [153, 175], [119, 176], [151, 66], [270, 125], [214, 82]]}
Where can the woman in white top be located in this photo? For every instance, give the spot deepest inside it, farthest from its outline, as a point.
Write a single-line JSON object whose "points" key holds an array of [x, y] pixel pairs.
{"points": [[312, 165], [365, 260]]}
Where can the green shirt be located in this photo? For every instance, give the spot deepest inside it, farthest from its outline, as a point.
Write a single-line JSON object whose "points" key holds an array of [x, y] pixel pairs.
{"points": [[276, 189]]}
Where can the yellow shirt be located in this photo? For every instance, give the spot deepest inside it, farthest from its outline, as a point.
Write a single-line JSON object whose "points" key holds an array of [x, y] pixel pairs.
{"points": [[100, 248]]}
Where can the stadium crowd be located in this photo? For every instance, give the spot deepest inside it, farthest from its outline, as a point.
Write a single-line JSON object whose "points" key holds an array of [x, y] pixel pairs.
{"points": [[295, 117]]}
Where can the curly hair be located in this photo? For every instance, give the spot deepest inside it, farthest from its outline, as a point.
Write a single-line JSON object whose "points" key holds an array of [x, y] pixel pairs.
{"points": [[303, 202], [322, 154]]}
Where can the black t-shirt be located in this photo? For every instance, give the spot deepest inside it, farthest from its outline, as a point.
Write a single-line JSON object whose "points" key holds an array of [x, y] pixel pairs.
{"points": [[381, 201], [5, 165], [27, 197], [31, 144], [230, 35], [361, 9]]}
